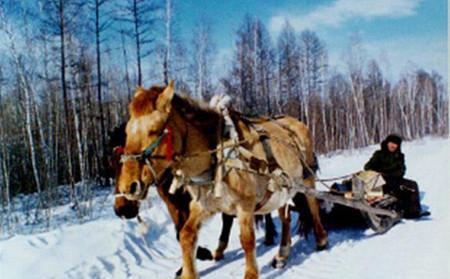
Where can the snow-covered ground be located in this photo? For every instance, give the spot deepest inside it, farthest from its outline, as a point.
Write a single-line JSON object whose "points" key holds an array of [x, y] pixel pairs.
{"points": [[111, 248]]}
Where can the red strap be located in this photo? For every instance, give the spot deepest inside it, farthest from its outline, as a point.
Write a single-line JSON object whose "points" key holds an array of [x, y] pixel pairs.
{"points": [[168, 141], [118, 150]]}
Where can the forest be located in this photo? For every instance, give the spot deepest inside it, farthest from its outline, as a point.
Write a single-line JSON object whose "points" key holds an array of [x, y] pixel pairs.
{"points": [[69, 69]]}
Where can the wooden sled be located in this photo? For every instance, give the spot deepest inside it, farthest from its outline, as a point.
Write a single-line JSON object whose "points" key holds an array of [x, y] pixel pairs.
{"points": [[377, 208]]}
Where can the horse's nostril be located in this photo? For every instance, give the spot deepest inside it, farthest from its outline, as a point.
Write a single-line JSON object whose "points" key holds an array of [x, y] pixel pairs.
{"points": [[133, 187]]}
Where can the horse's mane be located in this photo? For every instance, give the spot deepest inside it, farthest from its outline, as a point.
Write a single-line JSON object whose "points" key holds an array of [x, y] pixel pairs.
{"points": [[192, 110], [199, 115], [144, 100], [196, 113]]}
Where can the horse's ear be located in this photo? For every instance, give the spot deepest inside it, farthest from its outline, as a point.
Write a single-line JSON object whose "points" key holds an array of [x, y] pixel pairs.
{"points": [[163, 103]]}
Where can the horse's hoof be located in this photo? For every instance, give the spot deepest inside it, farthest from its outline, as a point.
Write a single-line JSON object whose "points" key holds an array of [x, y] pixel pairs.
{"points": [[178, 273], [204, 254], [322, 247], [279, 263], [218, 256]]}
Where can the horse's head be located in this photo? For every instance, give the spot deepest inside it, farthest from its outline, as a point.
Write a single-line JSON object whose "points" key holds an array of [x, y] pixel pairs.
{"points": [[148, 144]]}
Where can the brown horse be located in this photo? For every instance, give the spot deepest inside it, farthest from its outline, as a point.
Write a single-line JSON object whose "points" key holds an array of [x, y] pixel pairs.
{"points": [[193, 134], [178, 202]]}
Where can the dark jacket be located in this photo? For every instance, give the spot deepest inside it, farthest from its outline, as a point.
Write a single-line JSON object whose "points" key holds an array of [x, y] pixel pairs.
{"points": [[390, 165]]}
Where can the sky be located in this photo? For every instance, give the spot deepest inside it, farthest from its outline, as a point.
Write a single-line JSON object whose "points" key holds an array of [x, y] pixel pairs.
{"points": [[398, 33]]}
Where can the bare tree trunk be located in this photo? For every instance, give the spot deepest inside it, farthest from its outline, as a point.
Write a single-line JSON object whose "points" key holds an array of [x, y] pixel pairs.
{"points": [[168, 46], [360, 110], [138, 42], [28, 109], [28, 123], [78, 137], [56, 135], [43, 144], [323, 116], [125, 60], [4, 176], [200, 72], [50, 155], [99, 85], [62, 34]]}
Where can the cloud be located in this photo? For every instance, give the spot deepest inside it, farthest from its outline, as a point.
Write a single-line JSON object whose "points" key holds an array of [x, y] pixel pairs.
{"points": [[429, 53], [398, 55], [340, 11]]}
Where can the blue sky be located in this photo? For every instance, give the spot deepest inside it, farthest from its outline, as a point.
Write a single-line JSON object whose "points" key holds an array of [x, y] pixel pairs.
{"points": [[395, 32]]}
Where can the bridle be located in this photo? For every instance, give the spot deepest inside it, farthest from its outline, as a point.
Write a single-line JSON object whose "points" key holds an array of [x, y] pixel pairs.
{"points": [[146, 156]]}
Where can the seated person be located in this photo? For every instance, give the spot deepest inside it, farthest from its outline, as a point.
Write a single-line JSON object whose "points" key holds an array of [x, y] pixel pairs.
{"points": [[390, 162]]}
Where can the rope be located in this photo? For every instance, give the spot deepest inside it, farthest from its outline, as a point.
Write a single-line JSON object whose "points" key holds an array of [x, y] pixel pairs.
{"points": [[335, 178], [323, 181], [215, 150]]}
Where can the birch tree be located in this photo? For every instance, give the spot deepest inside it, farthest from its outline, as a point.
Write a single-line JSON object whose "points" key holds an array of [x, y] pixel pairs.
{"points": [[102, 21], [355, 60], [141, 17], [313, 67], [202, 59], [168, 42], [25, 87], [289, 78]]}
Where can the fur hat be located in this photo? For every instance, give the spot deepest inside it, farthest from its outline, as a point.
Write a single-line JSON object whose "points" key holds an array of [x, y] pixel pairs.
{"points": [[394, 139]]}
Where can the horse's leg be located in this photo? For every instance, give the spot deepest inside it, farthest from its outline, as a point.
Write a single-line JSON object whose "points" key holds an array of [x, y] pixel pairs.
{"points": [[227, 223], [270, 230], [178, 207], [319, 231], [247, 237], [280, 259], [188, 240], [177, 213]]}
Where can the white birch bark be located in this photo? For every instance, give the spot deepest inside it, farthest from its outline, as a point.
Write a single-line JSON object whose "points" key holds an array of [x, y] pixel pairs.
{"points": [[27, 98]]}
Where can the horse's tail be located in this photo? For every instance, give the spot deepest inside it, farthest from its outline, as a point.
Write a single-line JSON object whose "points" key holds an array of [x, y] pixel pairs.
{"points": [[311, 168], [305, 222]]}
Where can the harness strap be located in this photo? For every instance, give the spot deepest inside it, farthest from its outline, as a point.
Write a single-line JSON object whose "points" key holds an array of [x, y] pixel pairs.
{"points": [[263, 202], [149, 150], [152, 170], [272, 162]]}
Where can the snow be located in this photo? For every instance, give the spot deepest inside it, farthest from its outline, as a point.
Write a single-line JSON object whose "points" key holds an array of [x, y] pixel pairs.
{"points": [[111, 248]]}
